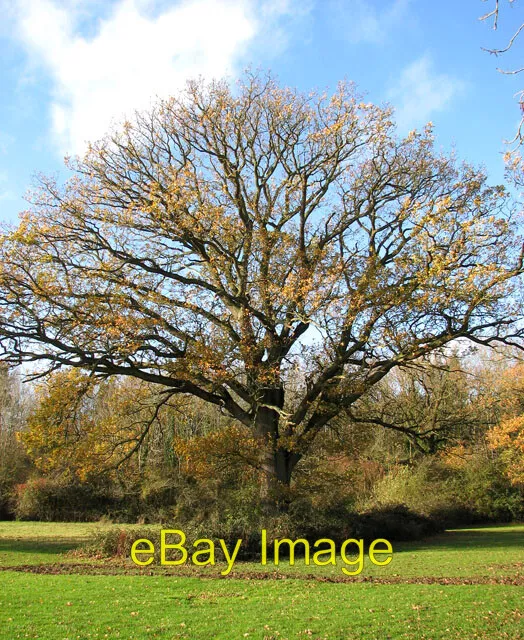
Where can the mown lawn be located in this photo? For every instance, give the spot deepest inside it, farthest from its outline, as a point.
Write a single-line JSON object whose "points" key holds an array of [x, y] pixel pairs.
{"points": [[83, 605], [42, 542]]}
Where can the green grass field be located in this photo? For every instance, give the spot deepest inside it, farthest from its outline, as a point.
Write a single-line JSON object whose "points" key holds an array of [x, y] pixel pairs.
{"points": [[462, 584]]}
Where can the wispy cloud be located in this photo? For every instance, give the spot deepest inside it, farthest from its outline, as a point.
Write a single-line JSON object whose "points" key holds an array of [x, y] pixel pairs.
{"points": [[422, 91], [368, 21], [135, 51]]}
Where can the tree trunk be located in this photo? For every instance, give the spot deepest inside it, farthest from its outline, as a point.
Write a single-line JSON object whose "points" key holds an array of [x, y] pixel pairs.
{"points": [[278, 463]]}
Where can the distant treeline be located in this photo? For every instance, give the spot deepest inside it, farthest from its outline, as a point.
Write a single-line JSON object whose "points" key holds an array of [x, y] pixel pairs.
{"points": [[444, 438]]}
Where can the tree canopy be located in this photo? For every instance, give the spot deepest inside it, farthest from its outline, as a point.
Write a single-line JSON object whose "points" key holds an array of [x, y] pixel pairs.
{"points": [[231, 236]]}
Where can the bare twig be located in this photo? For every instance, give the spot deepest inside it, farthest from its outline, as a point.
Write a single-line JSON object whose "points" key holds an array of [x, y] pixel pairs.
{"points": [[518, 138]]}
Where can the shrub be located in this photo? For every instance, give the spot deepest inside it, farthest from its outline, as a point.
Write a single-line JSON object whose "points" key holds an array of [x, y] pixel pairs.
{"points": [[483, 487], [424, 488], [474, 491], [394, 522], [115, 542], [47, 500]]}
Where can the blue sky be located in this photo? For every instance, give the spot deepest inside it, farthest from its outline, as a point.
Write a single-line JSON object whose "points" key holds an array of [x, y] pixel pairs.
{"points": [[69, 68]]}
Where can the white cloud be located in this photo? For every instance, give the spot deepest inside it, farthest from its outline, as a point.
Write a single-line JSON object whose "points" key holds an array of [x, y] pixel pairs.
{"points": [[421, 91], [136, 51], [363, 21]]}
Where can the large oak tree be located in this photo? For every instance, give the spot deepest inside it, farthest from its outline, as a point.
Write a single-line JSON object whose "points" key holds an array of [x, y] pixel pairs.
{"points": [[228, 238]]}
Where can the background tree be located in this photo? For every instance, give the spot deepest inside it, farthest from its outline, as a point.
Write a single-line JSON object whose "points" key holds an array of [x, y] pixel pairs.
{"points": [[228, 236], [434, 404], [81, 426], [507, 437], [14, 463]]}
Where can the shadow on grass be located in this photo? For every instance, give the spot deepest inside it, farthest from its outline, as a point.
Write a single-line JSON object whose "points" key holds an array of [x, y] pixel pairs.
{"points": [[35, 546], [481, 538]]}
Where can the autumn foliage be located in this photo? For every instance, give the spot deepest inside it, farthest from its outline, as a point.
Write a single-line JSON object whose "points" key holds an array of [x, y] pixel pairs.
{"points": [[507, 437], [81, 427]]}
